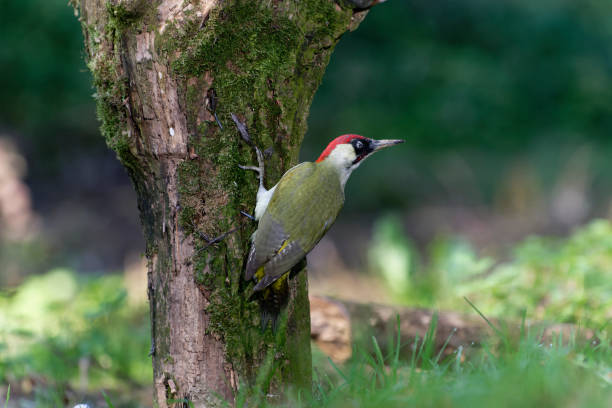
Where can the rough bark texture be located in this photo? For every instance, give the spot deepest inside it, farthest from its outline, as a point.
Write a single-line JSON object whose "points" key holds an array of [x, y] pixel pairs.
{"points": [[337, 325], [155, 66]]}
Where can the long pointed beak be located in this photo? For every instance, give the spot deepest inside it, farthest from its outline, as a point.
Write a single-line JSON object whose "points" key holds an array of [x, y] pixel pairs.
{"points": [[381, 144]]}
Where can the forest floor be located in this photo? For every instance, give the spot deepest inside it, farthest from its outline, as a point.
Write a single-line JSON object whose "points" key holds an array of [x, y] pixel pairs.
{"points": [[68, 338]]}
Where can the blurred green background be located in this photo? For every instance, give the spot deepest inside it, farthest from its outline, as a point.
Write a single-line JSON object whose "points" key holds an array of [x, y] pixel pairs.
{"points": [[502, 192], [505, 107]]}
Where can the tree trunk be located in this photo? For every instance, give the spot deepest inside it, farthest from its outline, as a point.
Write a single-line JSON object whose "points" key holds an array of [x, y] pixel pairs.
{"points": [[161, 69]]}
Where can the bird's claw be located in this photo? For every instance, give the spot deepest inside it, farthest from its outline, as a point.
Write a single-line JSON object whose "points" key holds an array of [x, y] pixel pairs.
{"points": [[249, 216], [254, 168], [244, 133], [243, 130]]}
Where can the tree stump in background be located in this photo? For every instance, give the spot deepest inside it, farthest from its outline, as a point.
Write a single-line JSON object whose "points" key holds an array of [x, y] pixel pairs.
{"points": [[337, 325]]}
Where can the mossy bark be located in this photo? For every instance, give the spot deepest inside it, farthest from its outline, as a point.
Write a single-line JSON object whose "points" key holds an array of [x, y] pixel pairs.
{"points": [[155, 66]]}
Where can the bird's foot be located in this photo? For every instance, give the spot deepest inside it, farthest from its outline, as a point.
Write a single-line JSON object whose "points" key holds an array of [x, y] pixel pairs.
{"points": [[211, 241], [249, 216], [244, 133], [256, 169]]}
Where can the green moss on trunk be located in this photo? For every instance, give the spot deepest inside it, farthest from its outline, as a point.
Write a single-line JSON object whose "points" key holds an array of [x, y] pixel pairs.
{"points": [[265, 68]]}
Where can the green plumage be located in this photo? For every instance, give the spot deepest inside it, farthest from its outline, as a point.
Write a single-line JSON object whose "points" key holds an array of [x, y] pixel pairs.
{"points": [[303, 207]]}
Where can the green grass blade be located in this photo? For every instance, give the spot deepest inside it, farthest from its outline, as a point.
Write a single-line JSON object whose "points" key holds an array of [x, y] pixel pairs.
{"points": [[437, 359], [419, 355], [108, 401], [8, 395], [398, 339], [429, 340], [523, 332], [458, 359], [340, 372], [395, 348], [489, 323], [379, 355], [413, 358], [318, 386]]}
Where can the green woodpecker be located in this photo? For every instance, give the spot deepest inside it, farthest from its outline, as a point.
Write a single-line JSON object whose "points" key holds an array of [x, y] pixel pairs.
{"points": [[295, 214]]}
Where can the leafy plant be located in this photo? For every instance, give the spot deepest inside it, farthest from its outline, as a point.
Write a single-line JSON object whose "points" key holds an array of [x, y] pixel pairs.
{"points": [[73, 332], [565, 280]]}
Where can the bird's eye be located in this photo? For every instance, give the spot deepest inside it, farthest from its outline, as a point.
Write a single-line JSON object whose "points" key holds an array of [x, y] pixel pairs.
{"points": [[358, 145]]}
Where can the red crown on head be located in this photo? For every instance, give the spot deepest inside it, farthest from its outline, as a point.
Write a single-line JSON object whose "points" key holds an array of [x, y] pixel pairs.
{"points": [[337, 141]]}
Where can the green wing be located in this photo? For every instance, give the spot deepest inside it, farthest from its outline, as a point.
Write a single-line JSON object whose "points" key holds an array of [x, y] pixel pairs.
{"points": [[307, 199]]}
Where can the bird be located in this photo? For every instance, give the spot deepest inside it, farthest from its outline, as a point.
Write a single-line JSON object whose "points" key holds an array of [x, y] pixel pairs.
{"points": [[296, 213]]}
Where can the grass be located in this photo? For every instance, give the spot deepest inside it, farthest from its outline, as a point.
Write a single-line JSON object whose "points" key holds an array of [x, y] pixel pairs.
{"points": [[523, 373], [515, 373], [505, 372]]}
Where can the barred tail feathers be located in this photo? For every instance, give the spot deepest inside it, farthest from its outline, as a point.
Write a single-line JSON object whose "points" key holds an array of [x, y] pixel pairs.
{"points": [[272, 300]]}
